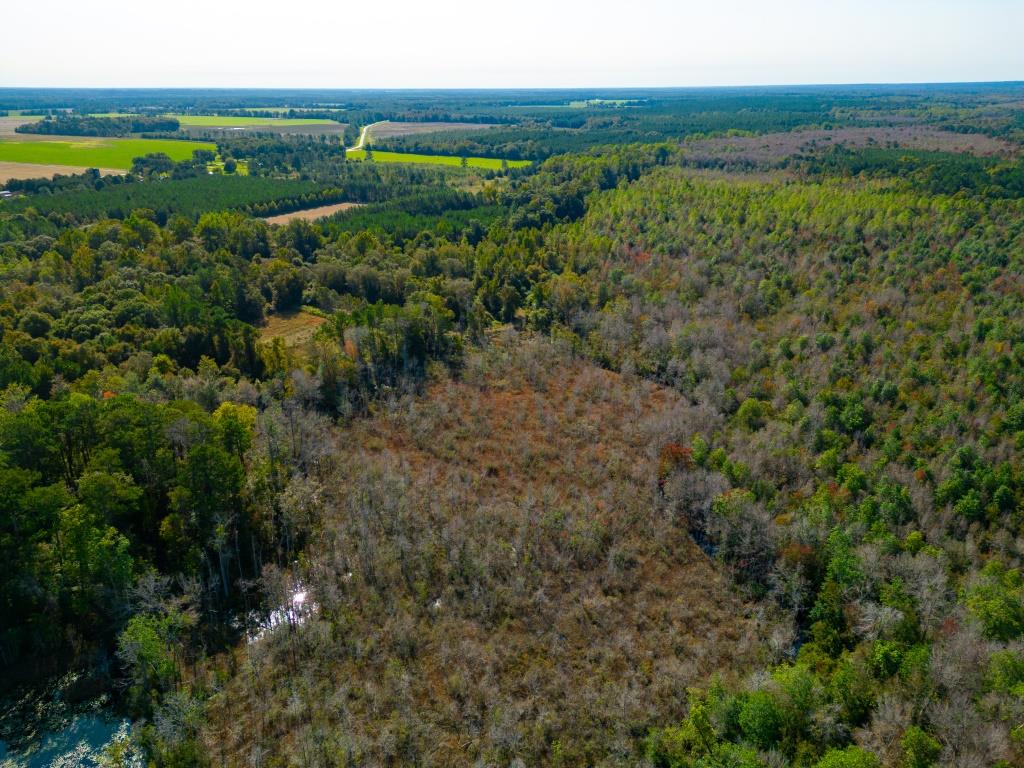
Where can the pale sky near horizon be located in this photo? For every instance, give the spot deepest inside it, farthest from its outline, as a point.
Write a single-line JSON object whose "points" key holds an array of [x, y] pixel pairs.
{"points": [[528, 43]]}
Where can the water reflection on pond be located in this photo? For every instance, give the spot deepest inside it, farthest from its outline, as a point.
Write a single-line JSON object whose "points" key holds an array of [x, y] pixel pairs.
{"points": [[296, 609], [85, 740], [42, 731]]}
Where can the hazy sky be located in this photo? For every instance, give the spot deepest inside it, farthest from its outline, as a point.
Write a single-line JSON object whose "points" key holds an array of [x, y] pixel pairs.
{"points": [[529, 43]]}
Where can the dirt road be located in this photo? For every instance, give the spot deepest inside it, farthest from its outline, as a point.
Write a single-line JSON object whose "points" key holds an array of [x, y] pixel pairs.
{"points": [[362, 136]]}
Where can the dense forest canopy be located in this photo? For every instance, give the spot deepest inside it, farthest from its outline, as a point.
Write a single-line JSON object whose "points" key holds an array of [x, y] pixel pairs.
{"points": [[696, 443]]}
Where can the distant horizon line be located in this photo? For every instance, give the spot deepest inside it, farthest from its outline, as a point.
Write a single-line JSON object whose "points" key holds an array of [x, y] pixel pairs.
{"points": [[862, 84]]}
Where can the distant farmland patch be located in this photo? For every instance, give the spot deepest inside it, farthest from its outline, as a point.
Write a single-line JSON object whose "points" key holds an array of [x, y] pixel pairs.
{"points": [[10, 171], [218, 132], [485, 163], [389, 129], [216, 126], [243, 121], [94, 152], [8, 124], [311, 214]]}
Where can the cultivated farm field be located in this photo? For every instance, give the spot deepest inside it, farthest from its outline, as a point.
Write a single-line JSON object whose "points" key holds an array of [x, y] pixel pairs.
{"points": [[10, 171], [389, 129], [220, 131], [485, 163], [221, 126], [241, 121], [311, 214], [94, 152], [8, 124]]}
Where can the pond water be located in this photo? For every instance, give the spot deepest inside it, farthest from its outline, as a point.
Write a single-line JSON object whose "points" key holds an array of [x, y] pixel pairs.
{"points": [[43, 731], [84, 741], [298, 607], [63, 725]]}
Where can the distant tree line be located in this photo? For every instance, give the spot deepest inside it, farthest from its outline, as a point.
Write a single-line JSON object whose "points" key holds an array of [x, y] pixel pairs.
{"points": [[84, 125], [934, 172]]}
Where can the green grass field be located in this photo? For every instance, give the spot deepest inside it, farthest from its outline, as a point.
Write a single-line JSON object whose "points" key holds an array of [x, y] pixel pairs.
{"points": [[240, 121], [486, 163], [95, 152], [217, 166]]}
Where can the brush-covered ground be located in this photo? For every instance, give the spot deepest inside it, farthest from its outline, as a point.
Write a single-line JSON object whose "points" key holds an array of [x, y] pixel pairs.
{"points": [[496, 577]]}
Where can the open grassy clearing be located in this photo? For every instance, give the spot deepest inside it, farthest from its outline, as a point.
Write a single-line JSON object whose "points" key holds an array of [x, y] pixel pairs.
{"points": [[295, 328], [311, 214], [485, 163], [10, 171], [95, 152], [217, 166]]}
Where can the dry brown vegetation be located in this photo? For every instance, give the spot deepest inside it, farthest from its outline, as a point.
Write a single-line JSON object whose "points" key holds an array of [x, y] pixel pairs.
{"points": [[388, 130], [37, 171], [295, 328], [772, 147], [311, 214], [498, 579], [9, 123]]}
